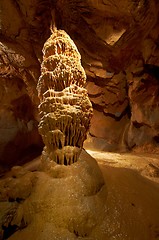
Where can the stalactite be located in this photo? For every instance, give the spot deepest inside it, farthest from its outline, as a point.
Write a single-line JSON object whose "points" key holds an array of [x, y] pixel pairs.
{"points": [[65, 109]]}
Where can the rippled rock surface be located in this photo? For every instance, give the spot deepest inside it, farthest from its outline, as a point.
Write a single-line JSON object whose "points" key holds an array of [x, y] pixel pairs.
{"points": [[65, 109]]}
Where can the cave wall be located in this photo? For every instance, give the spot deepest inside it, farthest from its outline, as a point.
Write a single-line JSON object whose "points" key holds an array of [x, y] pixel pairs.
{"points": [[118, 41], [19, 71], [119, 44]]}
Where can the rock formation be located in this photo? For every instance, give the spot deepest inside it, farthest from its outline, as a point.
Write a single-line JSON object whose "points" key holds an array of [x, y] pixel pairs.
{"points": [[60, 202], [118, 44], [65, 109]]}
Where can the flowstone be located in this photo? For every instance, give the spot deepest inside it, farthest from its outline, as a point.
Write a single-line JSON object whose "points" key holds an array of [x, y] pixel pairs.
{"points": [[59, 202]]}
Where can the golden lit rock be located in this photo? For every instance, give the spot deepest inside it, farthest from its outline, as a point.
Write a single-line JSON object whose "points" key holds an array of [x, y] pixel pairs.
{"points": [[65, 109]]}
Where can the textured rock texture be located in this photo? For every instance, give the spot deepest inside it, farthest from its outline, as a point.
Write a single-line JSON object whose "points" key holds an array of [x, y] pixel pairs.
{"points": [[72, 202], [19, 71], [65, 109], [62, 202], [118, 42]]}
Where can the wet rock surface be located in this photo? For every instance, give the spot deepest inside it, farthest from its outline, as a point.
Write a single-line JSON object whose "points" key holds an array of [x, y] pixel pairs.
{"points": [[54, 203], [75, 201], [118, 42]]}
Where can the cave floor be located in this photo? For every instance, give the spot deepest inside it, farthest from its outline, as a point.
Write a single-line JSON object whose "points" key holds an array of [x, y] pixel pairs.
{"points": [[146, 164], [132, 181], [133, 194]]}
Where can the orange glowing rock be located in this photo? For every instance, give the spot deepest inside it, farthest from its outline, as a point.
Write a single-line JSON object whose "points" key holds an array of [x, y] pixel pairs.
{"points": [[65, 109]]}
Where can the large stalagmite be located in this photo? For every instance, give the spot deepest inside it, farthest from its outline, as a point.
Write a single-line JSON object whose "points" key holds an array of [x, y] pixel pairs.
{"points": [[57, 202], [65, 108]]}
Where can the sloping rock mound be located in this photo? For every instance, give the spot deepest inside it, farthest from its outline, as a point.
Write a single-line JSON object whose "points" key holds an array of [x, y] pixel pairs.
{"points": [[57, 203]]}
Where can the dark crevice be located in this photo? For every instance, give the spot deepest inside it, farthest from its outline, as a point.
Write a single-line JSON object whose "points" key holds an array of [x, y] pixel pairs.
{"points": [[118, 118], [8, 231], [92, 135], [152, 70], [156, 139], [10, 199], [60, 145], [65, 161], [76, 233], [19, 200], [137, 124], [30, 153], [97, 107], [79, 234], [130, 148], [129, 111]]}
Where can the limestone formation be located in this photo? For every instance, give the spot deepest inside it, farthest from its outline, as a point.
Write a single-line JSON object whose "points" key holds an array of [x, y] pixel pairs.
{"points": [[65, 109], [111, 36]]}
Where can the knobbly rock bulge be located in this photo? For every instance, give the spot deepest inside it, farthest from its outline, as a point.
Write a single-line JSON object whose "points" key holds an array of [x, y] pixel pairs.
{"points": [[65, 109]]}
